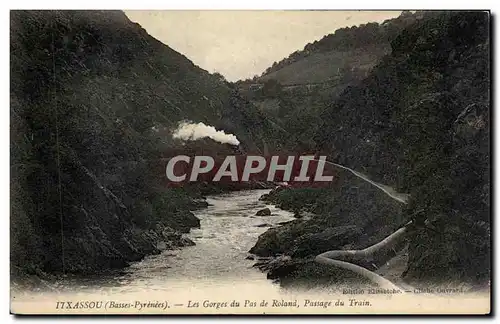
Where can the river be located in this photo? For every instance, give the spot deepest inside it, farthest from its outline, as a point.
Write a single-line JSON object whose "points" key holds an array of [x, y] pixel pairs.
{"points": [[228, 230], [216, 265], [210, 277]]}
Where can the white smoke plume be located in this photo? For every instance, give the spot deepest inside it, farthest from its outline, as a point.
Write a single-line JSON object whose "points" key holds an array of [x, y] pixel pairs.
{"points": [[191, 132]]}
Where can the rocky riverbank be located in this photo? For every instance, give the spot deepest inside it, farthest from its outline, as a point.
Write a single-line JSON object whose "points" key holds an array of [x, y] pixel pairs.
{"points": [[341, 218], [420, 123]]}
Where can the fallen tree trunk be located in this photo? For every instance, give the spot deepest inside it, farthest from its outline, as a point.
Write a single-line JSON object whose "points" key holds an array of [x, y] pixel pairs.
{"points": [[344, 258]]}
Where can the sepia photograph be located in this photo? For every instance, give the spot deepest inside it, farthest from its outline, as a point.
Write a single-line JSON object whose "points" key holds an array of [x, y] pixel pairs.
{"points": [[250, 162]]}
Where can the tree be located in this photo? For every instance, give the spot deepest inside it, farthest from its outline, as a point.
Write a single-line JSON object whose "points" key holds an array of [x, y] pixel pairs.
{"points": [[220, 77], [272, 88]]}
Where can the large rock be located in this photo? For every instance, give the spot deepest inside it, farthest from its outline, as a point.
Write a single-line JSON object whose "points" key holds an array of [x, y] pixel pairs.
{"points": [[182, 221], [264, 197], [279, 240], [329, 239], [264, 212]]}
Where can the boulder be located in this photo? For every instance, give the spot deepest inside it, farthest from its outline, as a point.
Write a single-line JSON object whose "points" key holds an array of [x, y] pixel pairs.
{"points": [[278, 240], [185, 241], [264, 197], [199, 204], [182, 221], [329, 239], [264, 212]]}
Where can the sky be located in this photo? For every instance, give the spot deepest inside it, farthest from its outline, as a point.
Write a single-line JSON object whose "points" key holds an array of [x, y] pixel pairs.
{"points": [[241, 44]]}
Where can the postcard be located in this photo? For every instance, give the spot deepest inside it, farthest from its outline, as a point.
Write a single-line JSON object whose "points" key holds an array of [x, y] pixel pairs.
{"points": [[250, 162]]}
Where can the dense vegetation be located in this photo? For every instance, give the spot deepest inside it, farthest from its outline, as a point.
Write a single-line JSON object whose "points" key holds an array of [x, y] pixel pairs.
{"points": [[94, 99], [348, 39], [421, 122], [418, 122], [303, 84]]}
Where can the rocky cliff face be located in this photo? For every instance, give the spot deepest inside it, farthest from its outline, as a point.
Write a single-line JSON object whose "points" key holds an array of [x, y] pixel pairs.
{"points": [[93, 101], [420, 122]]}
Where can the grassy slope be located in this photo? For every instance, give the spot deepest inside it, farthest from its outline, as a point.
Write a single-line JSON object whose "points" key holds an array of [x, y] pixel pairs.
{"points": [[326, 66], [314, 77]]}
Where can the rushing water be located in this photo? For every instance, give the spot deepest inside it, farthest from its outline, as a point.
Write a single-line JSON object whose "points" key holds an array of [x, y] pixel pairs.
{"points": [[214, 274], [229, 228]]}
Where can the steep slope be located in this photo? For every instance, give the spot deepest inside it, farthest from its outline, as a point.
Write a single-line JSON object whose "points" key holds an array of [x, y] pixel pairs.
{"points": [[296, 89], [420, 123], [93, 101], [351, 48], [321, 67]]}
